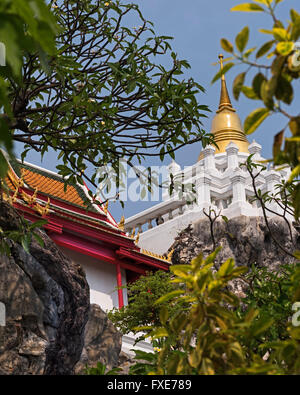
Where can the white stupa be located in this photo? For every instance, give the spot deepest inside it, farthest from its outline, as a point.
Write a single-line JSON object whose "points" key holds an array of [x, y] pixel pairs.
{"points": [[220, 183]]}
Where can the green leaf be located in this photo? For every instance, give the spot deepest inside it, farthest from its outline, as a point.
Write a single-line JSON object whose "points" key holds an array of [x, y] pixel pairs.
{"points": [[160, 332], [238, 271], [257, 83], [267, 92], [261, 326], [249, 52], [295, 173], [38, 239], [25, 241], [249, 92], [265, 2], [169, 296], [180, 270], [278, 140], [3, 165], [238, 84], [242, 39], [255, 119], [38, 224], [285, 47], [265, 48], [248, 7], [143, 355], [163, 315], [294, 126], [280, 34], [284, 90], [226, 268], [296, 25], [222, 72], [266, 31], [226, 45]]}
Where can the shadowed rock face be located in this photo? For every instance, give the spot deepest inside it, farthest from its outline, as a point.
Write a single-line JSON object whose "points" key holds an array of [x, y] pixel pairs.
{"points": [[47, 304], [246, 239], [102, 342]]}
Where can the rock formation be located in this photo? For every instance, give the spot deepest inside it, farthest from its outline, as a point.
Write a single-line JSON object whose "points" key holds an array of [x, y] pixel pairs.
{"points": [[47, 303], [102, 342], [246, 239]]}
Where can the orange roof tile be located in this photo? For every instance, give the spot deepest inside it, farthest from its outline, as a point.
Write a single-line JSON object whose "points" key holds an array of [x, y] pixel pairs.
{"points": [[51, 187]]}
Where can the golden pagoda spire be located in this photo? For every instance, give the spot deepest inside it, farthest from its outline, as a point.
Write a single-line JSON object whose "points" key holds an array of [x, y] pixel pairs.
{"points": [[224, 97], [226, 125]]}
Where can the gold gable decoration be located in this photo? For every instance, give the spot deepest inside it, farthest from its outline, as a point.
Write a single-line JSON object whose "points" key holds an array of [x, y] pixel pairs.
{"points": [[132, 233], [122, 223], [105, 208], [158, 256], [30, 200], [137, 238]]}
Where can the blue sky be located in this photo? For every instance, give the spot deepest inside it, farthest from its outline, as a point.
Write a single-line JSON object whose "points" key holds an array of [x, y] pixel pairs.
{"points": [[197, 27]]}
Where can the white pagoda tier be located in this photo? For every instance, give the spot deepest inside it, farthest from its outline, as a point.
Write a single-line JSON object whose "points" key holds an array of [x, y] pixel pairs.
{"points": [[220, 183]]}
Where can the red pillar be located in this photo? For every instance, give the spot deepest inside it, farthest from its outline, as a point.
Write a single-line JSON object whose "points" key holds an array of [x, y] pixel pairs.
{"points": [[119, 284]]}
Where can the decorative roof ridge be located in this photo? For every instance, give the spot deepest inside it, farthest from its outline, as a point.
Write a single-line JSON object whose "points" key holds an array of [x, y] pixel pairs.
{"points": [[84, 216], [109, 230], [82, 191], [157, 256], [103, 210], [83, 188], [42, 169]]}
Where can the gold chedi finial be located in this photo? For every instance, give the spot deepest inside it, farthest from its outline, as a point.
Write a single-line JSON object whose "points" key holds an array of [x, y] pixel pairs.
{"points": [[169, 257], [133, 233], [105, 208], [226, 124], [137, 239], [122, 223], [224, 97]]}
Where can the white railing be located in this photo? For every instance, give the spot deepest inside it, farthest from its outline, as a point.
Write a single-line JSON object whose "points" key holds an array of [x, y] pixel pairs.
{"points": [[155, 216]]}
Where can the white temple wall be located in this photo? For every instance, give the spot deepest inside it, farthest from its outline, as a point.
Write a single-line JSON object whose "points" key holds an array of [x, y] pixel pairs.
{"points": [[160, 238], [102, 279]]}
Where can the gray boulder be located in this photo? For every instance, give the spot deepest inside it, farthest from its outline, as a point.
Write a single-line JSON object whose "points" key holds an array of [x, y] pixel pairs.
{"points": [[46, 297], [102, 342]]}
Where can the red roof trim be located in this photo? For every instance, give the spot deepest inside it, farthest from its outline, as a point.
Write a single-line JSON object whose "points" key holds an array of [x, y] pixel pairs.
{"points": [[97, 251], [147, 260]]}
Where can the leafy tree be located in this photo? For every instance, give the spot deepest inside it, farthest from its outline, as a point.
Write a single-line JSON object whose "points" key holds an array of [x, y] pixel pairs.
{"points": [[207, 334], [204, 338], [101, 95], [273, 83], [142, 295], [269, 292], [100, 370], [25, 26]]}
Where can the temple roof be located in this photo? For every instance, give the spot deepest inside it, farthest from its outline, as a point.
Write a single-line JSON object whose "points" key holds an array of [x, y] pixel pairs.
{"points": [[52, 185], [37, 192]]}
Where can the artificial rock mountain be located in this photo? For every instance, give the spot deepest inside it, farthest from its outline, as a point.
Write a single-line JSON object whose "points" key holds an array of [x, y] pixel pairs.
{"points": [[246, 239], [51, 328], [47, 305]]}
